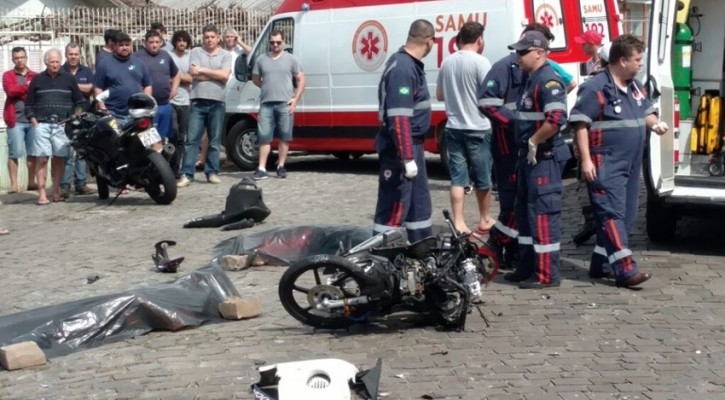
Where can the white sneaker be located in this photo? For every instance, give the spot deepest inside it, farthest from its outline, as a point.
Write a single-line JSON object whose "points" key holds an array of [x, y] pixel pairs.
{"points": [[213, 179], [183, 181]]}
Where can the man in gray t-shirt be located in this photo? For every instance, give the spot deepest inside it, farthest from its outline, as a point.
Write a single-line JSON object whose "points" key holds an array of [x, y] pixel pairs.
{"points": [[181, 40], [279, 76], [210, 66]]}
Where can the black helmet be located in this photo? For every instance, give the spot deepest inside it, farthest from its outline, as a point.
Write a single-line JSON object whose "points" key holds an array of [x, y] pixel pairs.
{"points": [[141, 105]]}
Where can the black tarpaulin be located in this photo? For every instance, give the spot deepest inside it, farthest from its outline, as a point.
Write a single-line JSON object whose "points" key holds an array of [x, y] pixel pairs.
{"points": [[294, 243], [190, 300]]}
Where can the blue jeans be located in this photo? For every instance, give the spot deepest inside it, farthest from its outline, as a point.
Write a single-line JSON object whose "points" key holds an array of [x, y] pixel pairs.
{"points": [[207, 114], [163, 121], [74, 164], [274, 117]]}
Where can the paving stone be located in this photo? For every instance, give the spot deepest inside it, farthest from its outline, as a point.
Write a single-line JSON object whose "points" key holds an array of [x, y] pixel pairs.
{"points": [[587, 340]]}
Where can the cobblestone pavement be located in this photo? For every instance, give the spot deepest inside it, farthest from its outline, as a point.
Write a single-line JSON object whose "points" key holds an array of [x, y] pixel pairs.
{"points": [[584, 340]]}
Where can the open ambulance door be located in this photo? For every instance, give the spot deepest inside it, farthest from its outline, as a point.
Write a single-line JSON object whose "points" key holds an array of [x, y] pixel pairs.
{"points": [[659, 159]]}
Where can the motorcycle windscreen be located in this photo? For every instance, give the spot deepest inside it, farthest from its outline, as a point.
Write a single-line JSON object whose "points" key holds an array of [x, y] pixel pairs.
{"points": [[190, 300], [292, 244]]}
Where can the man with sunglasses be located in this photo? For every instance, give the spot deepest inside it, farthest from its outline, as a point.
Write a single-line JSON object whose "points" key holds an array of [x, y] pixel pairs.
{"points": [[280, 77], [541, 113], [611, 118], [405, 112], [497, 101]]}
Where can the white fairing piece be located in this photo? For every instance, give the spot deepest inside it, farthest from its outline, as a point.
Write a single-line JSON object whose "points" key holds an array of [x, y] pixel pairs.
{"points": [[325, 379]]}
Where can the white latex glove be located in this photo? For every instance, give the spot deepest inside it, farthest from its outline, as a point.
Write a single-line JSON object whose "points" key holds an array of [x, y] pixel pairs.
{"points": [[103, 96], [411, 169], [532, 153]]}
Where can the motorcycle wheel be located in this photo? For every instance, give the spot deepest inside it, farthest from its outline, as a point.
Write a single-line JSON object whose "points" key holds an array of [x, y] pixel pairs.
{"points": [[102, 184], [312, 280], [163, 184]]}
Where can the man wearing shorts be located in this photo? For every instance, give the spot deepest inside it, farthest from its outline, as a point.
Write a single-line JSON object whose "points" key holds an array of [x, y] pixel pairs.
{"points": [[275, 73], [52, 95], [468, 132]]}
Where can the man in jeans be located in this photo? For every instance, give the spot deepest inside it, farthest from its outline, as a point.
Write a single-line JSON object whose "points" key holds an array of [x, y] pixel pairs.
{"points": [[468, 132], [275, 73], [74, 165], [210, 66], [181, 41], [20, 134]]}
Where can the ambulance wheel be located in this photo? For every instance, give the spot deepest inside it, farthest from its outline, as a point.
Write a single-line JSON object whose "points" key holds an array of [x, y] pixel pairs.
{"points": [[242, 145], [443, 150], [348, 155], [661, 221]]}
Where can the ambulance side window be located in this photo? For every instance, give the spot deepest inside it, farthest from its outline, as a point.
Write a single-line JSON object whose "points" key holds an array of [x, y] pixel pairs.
{"points": [[285, 25], [549, 13]]}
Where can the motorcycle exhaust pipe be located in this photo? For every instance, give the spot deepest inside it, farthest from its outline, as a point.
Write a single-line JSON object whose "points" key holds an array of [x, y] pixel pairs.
{"points": [[327, 303], [169, 149]]}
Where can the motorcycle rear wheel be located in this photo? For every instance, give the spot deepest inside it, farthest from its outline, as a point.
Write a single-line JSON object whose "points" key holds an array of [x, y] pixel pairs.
{"points": [[314, 279], [162, 188]]}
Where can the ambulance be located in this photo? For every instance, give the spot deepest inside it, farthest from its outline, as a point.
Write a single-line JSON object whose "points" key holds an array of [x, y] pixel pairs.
{"points": [[683, 169], [342, 46]]}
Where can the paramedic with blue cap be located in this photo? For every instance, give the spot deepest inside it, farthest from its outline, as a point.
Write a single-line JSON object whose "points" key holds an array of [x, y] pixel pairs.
{"points": [[497, 101], [541, 114], [611, 117], [405, 113]]}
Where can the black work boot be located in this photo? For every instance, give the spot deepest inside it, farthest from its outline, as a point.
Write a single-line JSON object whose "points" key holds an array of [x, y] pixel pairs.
{"points": [[588, 229]]}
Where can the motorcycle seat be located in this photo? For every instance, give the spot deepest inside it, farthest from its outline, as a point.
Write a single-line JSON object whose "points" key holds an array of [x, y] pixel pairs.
{"points": [[416, 250]]}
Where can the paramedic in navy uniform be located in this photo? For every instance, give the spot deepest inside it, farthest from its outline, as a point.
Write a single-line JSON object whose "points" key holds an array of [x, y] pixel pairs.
{"points": [[610, 118], [405, 112], [540, 116]]}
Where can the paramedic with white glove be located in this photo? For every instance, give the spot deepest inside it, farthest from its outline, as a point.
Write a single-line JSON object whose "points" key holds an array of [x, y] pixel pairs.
{"points": [[405, 113]]}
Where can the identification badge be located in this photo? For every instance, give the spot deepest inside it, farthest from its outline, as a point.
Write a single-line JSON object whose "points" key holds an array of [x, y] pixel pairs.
{"points": [[617, 109]]}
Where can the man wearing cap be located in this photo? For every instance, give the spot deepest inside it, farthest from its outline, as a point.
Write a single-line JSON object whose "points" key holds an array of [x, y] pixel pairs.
{"points": [[541, 113], [122, 75], [611, 117], [591, 41], [497, 101]]}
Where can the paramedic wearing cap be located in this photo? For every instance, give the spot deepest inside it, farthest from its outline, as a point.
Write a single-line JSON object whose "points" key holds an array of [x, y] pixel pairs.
{"points": [[610, 119], [540, 116], [591, 41], [405, 112]]}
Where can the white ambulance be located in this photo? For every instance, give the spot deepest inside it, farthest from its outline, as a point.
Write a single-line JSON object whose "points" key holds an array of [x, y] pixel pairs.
{"points": [[682, 178], [342, 46]]}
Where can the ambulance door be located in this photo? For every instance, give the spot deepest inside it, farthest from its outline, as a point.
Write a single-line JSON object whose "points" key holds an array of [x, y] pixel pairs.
{"points": [[660, 161], [312, 49]]}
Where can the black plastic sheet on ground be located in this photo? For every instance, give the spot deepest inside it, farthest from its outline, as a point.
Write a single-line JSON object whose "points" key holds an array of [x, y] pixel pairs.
{"points": [[190, 300], [294, 243]]}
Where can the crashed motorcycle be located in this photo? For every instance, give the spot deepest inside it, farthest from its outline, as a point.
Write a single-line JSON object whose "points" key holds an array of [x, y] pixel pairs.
{"points": [[122, 155], [437, 276]]}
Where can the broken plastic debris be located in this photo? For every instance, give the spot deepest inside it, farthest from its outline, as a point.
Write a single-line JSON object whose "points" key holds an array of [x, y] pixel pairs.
{"points": [[401, 376], [545, 297], [592, 305], [698, 351]]}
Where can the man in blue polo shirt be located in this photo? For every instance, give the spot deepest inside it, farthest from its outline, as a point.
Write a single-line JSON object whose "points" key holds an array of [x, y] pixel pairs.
{"points": [[123, 75], [165, 79], [73, 164]]}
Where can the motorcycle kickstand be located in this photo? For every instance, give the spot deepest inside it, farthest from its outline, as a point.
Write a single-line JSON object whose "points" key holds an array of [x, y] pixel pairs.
{"points": [[117, 195]]}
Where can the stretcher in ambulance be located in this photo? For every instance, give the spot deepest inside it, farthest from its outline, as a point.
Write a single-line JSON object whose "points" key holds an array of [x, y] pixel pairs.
{"points": [[684, 169], [342, 46]]}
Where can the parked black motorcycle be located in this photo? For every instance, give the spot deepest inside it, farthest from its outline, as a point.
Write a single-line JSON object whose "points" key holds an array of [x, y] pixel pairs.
{"points": [[133, 154], [436, 276]]}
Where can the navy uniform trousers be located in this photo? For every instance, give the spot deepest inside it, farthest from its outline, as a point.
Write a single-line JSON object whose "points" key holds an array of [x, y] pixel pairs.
{"points": [[538, 213], [402, 201]]}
